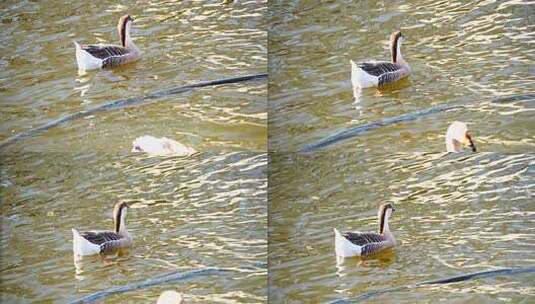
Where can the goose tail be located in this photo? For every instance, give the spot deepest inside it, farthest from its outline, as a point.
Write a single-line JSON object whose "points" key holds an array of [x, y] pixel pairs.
{"points": [[343, 247], [361, 79], [84, 60], [81, 246]]}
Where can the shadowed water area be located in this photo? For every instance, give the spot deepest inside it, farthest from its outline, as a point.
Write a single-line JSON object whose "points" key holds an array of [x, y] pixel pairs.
{"points": [[455, 214], [467, 53], [203, 211]]}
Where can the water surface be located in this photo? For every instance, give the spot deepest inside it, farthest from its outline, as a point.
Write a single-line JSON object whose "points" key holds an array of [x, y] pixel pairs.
{"points": [[207, 210], [468, 53], [455, 214]]}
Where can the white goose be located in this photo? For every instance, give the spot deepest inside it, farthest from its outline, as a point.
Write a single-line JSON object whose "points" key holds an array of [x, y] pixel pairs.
{"points": [[95, 242], [350, 244], [160, 146], [91, 57], [378, 73], [457, 136]]}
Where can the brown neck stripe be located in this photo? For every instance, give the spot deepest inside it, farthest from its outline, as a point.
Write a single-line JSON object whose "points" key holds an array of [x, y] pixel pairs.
{"points": [[123, 32], [118, 220]]}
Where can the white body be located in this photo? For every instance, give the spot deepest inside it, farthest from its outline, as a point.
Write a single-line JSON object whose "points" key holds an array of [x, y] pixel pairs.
{"points": [[160, 146], [359, 78], [81, 246], [343, 247], [85, 60], [170, 297]]}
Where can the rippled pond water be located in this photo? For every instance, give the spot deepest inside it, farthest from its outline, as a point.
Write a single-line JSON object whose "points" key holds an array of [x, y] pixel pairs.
{"points": [[207, 210], [469, 53], [455, 214]]}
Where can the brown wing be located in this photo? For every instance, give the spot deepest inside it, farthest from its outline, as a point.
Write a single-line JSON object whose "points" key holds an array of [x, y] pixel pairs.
{"points": [[373, 248], [378, 68], [105, 51], [100, 237], [363, 238]]}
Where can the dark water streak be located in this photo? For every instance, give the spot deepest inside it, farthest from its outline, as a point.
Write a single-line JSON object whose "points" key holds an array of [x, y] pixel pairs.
{"points": [[121, 103], [455, 279], [165, 278], [357, 130]]}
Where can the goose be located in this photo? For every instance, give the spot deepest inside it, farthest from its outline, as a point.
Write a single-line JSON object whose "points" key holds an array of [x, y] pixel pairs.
{"points": [[348, 244], [160, 146], [91, 57], [377, 73], [457, 136], [95, 242]]}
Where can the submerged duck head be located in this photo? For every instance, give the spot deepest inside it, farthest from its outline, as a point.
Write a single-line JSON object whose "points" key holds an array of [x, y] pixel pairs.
{"points": [[456, 136]]}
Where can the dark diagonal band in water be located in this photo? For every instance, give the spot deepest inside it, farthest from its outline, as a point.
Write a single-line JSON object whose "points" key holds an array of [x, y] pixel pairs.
{"points": [[166, 278], [455, 279], [121, 103], [357, 130]]}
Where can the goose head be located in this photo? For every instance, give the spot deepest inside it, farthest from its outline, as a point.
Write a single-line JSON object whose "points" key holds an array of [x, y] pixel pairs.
{"points": [[457, 136], [396, 39], [119, 216], [123, 27], [385, 211]]}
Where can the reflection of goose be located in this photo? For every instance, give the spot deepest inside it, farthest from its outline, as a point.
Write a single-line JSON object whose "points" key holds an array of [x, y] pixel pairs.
{"points": [[90, 57], [457, 136], [378, 73], [170, 297], [349, 244], [94, 242], [160, 146]]}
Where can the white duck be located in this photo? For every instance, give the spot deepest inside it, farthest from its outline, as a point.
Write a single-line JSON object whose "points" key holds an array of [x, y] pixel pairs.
{"points": [[91, 57], [170, 297], [160, 146], [377, 73], [350, 244], [457, 136], [95, 242]]}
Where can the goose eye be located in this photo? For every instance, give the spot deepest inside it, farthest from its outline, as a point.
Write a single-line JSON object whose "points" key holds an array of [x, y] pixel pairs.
{"points": [[137, 148]]}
